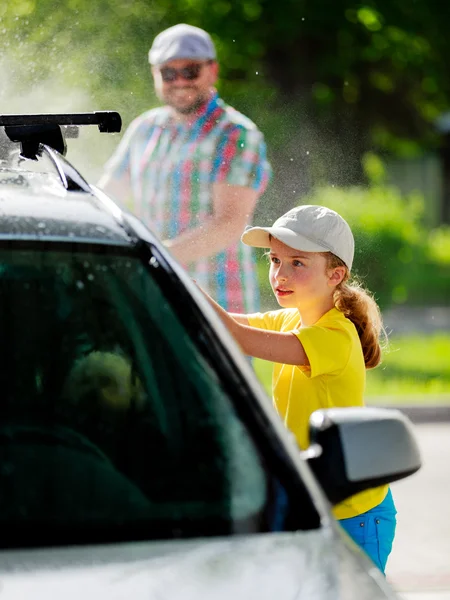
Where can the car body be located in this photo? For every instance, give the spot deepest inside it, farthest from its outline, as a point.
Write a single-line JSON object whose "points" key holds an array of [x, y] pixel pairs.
{"points": [[140, 455]]}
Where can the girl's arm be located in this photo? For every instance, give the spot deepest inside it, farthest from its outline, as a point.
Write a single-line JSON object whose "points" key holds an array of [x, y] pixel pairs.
{"points": [[242, 319], [275, 346]]}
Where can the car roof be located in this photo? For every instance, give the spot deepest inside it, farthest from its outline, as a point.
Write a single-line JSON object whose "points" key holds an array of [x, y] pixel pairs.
{"points": [[36, 205]]}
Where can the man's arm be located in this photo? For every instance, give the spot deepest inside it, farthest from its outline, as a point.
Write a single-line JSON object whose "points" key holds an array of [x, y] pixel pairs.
{"points": [[117, 187], [115, 179], [233, 206]]}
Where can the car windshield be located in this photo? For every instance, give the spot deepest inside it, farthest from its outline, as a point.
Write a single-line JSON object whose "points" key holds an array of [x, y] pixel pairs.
{"points": [[112, 424]]}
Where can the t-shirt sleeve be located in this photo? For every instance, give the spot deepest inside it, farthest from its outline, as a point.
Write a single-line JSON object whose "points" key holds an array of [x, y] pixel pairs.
{"points": [[271, 320], [241, 159], [328, 350]]}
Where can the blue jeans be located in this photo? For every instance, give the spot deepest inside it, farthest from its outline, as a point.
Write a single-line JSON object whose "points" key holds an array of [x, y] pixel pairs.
{"points": [[374, 530]]}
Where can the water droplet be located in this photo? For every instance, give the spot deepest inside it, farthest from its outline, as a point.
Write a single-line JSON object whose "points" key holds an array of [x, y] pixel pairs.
{"points": [[80, 285]]}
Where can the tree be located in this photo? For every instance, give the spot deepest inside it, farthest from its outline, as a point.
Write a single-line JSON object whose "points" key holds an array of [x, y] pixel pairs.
{"points": [[326, 80]]}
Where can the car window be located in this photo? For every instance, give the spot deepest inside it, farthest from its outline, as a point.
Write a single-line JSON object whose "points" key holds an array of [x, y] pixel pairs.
{"points": [[110, 418]]}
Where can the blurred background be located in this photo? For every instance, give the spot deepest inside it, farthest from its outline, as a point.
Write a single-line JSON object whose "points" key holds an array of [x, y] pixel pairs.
{"points": [[354, 100]]}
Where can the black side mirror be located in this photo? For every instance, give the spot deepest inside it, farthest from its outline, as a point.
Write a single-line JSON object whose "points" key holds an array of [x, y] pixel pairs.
{"points": [[357, 448]]}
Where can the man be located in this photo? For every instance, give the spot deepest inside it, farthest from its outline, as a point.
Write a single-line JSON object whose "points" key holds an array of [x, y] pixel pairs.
{"points": [[194, 169]]}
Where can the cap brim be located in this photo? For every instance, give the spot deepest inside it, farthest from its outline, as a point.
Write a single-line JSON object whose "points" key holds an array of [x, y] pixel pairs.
{"points": [[259, 237], [160, 60]]}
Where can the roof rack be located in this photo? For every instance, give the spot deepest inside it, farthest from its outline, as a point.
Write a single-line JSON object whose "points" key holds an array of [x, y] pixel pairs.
{"points": [[32, 131], [47, 133]]}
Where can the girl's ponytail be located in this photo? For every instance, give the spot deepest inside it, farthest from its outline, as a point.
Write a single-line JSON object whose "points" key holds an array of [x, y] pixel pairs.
{"points": [[358, 305]]}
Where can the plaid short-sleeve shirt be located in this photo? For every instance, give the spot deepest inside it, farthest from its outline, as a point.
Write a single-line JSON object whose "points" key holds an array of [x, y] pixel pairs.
{"points": [[171, 167]]}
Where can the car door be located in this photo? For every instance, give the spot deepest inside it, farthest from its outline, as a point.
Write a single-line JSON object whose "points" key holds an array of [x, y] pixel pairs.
{"points": [[125, 420], [116, 419]]}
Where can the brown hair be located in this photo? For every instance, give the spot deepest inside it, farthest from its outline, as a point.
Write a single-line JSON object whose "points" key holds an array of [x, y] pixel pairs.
{"points": [[358, 305]]}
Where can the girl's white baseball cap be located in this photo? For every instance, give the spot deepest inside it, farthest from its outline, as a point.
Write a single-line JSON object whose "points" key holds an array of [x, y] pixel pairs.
{"points": [[309, 228]]}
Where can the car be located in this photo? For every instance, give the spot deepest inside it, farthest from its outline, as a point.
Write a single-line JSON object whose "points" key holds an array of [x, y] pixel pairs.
{"points": [[140, 456]]}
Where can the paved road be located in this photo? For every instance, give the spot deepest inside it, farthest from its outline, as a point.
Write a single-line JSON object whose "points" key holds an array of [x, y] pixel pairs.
{"points": [[426, 596], [419, 566], [408, 319]]}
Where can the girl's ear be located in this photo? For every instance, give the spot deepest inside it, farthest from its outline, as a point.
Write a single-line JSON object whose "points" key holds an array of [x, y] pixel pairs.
{"points": [[336, 275]]}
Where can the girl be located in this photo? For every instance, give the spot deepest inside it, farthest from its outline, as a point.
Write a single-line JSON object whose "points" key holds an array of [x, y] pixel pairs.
{"points": [[322, 340]]}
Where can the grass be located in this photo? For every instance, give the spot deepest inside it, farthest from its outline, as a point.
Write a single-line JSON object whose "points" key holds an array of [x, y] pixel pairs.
{"points": [[415, 369]]}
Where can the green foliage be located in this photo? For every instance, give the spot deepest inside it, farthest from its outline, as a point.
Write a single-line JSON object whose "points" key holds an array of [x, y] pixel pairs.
{"points": [[439, 245], [100, 46], [395, 255], [380, 66], [327, 82], [383, 63], [374, 168], [414, 364]]}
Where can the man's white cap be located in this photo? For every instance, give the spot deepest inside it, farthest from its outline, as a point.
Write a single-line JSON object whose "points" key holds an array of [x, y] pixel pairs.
{"points": [[181, 41], [308, 228]]}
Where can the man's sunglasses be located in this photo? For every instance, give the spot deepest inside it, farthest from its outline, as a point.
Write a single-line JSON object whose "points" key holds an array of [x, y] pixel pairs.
{"points": [[189, 72]]}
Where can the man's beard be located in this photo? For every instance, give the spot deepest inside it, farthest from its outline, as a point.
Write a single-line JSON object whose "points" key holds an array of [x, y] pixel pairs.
{"points": [[196, 103], [188, 110]]}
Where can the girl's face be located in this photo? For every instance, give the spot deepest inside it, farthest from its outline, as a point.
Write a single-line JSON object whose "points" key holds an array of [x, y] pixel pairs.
{"points": [[298, 278]]}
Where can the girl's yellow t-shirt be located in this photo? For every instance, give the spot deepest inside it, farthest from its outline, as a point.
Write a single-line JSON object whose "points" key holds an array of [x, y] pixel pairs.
{"points": [[336, 377]]}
